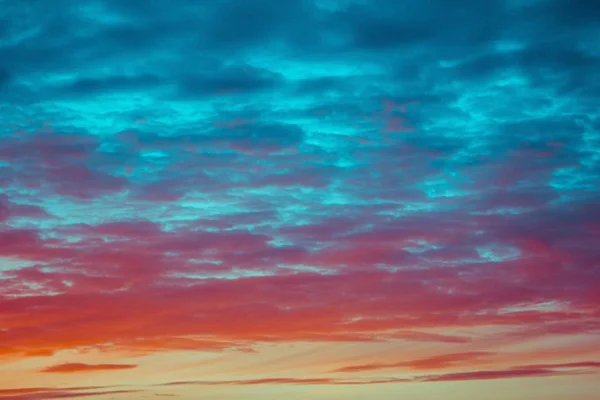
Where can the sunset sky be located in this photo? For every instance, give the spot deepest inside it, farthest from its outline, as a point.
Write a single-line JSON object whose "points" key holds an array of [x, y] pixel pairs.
{"points": [[300, 199]]}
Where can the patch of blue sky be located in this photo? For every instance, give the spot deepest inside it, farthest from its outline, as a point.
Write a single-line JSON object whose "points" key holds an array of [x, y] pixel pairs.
{"points": [[574, 179], [233, 274], [446, 186], [304, 268], [498, 253], [549, 306], [8, 264], [504, 211], [406, 208], [420, 246], [330, 69]]}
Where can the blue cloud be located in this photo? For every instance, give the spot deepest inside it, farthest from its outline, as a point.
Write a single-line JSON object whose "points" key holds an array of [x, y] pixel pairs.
{"points": [[340, 137]]}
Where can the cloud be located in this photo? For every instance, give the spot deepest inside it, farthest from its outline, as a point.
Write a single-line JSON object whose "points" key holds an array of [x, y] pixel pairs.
{"points": [[437, 362], [219, 175], [490, 375], [229, 80], [10, 210], [59, 393], [525, 371], [287, 381], [80, 367]]}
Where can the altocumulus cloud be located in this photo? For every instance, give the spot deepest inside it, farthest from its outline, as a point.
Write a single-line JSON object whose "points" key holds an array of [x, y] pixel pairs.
{"points": [[246, 167]]}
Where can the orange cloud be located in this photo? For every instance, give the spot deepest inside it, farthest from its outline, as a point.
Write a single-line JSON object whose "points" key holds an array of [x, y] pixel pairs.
{"points": [[288, 381], [45, 393], [494, 374], [148, 291], [80, 367], [437, 362]]}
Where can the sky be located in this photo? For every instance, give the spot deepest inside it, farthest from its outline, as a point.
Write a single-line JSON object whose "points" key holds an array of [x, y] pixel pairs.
{"points": [[300, 199]]}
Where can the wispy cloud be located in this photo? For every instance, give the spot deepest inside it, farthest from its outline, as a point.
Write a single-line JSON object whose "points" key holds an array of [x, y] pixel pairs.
{"points": [[59, 393], [80, 367], [437, 362]]}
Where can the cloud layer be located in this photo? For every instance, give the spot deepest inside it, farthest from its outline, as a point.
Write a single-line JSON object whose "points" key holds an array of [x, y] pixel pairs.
{"points": [[224, 175]]}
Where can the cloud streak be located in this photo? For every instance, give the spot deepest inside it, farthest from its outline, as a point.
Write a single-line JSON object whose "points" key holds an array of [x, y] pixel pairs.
{"points": [[80, 367], [61, 393]]}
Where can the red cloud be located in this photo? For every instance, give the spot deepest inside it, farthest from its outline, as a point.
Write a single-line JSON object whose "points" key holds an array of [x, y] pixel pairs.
{"points": [[437, 362], [524, 371], [528, 371], [59, 393], [288, 381], [79, 367], [135, 285], [116, 290], [491, 375]]}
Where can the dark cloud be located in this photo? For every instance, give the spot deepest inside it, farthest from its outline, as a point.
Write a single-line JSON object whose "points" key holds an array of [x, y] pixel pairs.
{"points": [[227, 81], [93, 86]]}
